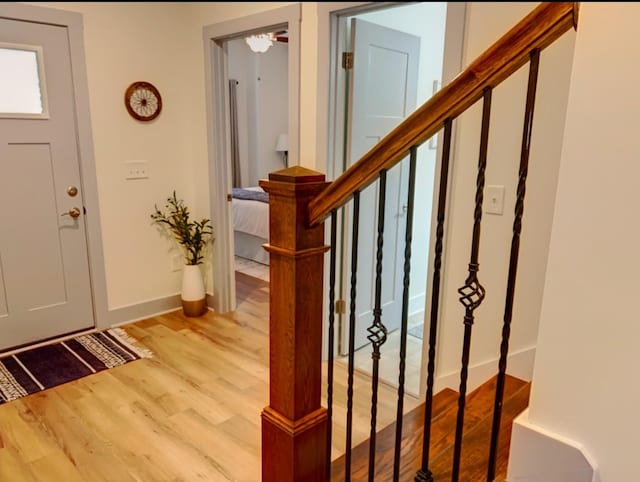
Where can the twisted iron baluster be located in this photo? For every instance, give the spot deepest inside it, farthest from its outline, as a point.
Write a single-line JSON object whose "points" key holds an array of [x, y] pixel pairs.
{"points": [[377, 331], [513, 260], [424, 474], [405, 310], [472, 293], [352, 335], [331, 336]]}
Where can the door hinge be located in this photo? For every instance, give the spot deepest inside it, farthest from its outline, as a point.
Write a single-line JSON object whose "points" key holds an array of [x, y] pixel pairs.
{"points": [[347, 60], [341, 307]]}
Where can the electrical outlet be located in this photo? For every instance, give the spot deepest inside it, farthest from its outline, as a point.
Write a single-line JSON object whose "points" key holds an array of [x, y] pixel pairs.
{"points": [[136, 170], [177, 262], [494, 200]]}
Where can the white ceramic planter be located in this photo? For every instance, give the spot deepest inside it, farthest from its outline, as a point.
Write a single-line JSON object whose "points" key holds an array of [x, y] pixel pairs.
{"points": [[194, 297]]}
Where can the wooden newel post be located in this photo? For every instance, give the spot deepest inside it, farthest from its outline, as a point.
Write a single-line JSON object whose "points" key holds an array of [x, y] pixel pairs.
{"points": [[294, 425]]}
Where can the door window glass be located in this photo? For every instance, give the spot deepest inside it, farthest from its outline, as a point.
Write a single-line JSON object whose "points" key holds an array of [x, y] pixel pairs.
{"points": [[22, 92]]}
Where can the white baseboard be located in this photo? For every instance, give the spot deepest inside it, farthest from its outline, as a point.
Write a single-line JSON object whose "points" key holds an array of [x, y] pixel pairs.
{"points": [[147, 309], [538, 455], [416, 304], [143, 310], [519, 365]]}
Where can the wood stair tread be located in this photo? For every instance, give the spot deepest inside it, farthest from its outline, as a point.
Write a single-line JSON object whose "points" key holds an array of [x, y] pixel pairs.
{"points": [[412, 429], [476, 441], [475, 448]]}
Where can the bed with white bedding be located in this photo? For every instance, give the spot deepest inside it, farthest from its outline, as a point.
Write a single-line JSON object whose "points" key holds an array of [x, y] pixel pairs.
{"points": [[251, 223]]}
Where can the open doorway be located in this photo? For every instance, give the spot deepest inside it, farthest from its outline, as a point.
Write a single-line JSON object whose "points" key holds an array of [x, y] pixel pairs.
{"points": [[258, 93], [261, 135], [406, 43]]}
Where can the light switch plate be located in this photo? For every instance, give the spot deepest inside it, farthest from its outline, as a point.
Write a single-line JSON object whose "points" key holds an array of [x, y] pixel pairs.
{"points": [[136, 170], [494, 200]]}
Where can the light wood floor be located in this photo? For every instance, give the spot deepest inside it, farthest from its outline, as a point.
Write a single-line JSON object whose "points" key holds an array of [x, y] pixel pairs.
{"points": [[190, 413], [251, 268]]}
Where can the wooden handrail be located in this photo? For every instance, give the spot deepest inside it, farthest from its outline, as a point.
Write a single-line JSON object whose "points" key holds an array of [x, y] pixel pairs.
{"points": [[540, 28]]}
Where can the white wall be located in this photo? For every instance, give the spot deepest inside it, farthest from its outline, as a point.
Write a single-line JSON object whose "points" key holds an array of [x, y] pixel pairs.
{"points": [[271, 88], [485, 23], [585, 381]]}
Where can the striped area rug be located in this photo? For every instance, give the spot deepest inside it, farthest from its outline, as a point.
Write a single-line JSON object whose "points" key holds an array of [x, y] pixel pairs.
{"points": [[47, 366]]}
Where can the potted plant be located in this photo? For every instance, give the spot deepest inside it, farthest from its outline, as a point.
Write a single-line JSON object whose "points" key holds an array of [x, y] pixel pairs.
{"points": [[192, 237]]}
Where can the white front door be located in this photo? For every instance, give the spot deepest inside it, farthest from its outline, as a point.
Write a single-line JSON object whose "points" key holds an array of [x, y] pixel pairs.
{"points": [[44, 272], [383, 92]]}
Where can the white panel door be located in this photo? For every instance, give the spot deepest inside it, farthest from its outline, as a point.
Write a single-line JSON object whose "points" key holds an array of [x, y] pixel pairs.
{"points": [[384, 83], [44, 271]]}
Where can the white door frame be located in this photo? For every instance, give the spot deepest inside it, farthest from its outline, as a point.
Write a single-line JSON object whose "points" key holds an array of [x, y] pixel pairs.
{"points": [[218, 129], [74, 24], [331, 101]]}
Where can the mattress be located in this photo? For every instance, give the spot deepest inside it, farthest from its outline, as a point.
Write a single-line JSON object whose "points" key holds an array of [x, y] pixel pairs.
{"points": [[251, 228], [250, 247], [251, 217]]}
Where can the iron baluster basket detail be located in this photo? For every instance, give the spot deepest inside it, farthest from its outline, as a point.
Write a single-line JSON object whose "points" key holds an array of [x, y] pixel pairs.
{"points": [[377, 334], [377, 331], [472, 293]]}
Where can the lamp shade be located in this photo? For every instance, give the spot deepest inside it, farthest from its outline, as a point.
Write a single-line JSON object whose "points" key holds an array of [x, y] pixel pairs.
{"points": [[282, 144]]}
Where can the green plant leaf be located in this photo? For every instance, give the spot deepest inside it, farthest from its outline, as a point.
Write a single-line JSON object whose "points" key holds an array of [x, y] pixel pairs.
{"points": [[192, 236]]}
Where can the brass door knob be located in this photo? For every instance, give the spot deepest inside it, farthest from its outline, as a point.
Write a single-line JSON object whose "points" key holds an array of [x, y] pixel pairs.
{"points": [[73, 212]]}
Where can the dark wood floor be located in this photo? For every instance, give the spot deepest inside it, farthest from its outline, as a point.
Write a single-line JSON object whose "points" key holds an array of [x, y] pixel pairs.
{"points": [[475, 447]]}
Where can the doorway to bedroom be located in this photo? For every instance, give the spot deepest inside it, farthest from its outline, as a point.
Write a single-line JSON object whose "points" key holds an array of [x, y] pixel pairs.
{"points": [[252, 78], [258, 122]]}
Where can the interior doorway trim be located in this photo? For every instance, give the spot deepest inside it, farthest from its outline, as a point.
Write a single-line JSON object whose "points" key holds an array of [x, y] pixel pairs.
{"points": [[217, 99], [331, 98], [74, 24]]}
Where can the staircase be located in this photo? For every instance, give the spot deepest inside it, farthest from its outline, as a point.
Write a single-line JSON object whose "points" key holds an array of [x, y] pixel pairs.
{"points": [[468, 434], [475, 442]]}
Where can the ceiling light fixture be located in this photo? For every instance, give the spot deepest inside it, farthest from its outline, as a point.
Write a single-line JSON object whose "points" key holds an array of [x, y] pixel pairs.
{"points": [[260, 43]]}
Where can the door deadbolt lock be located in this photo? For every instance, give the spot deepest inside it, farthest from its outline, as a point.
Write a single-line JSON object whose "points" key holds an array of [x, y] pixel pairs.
{"points": [[72, 191], [73, 212]]}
